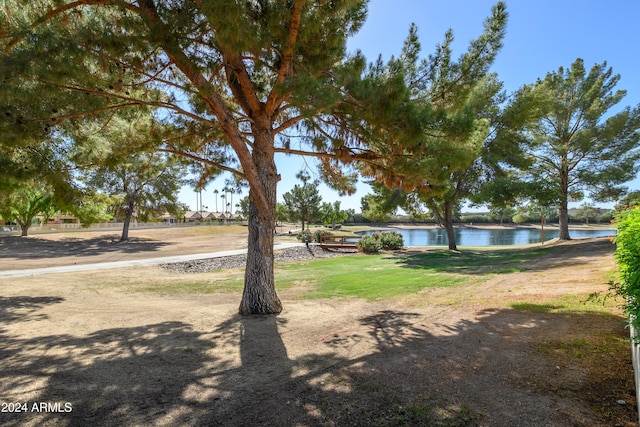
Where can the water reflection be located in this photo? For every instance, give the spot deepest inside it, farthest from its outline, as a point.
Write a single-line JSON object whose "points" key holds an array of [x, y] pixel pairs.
{"points": [[487, 237]]}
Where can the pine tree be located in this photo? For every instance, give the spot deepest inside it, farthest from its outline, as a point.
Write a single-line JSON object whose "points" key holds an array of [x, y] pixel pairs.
{"points": [[576, 143], [231, 77], [441, 165], [303, 201]]}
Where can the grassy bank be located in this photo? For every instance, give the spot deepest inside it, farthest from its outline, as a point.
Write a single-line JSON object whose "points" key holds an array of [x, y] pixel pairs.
{"points": [[390, 275]]}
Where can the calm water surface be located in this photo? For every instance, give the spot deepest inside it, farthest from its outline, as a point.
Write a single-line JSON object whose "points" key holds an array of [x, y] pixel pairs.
{"points": [[487, 237]]}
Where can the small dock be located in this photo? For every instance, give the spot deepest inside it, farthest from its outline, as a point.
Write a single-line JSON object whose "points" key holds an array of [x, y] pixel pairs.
{"points": [[339, 242]]}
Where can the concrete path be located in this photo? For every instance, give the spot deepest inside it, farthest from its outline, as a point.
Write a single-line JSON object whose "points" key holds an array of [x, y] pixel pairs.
{"points": [[132, 263]]}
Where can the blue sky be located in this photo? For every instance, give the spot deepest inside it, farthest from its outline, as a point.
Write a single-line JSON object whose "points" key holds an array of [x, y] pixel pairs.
{"points": [[541, 36]]}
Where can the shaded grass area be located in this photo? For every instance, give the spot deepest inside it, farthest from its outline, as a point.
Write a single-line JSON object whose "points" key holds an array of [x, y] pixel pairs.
{"points": [[475, 262], [592, 303]]}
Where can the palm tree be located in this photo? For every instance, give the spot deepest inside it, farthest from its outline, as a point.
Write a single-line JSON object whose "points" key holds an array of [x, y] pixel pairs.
{"points": [[216, 193]]}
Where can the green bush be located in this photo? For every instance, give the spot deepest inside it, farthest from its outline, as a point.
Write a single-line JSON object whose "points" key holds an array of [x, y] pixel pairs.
{"points": [[305, 236], [604, 218], [391, 240], [480, 219], [319, 233], [370, 244], [388, 240], [628, 258], [519, 219]]}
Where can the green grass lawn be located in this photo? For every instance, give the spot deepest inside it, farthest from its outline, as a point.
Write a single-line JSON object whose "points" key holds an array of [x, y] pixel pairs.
{"points": [[387, 275], [363, 276], [374, 276]]}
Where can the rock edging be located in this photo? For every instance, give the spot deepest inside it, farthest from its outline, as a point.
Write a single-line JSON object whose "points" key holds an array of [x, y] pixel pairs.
{"points": [[299, 253]]}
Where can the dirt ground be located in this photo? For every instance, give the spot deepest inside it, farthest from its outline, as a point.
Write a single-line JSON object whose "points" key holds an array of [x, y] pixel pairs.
{"points": [[88, 348]]}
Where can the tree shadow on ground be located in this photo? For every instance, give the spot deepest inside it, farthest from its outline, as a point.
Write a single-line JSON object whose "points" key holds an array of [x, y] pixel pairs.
{"points": [[539, 258], [391, 368], [24, 308], [36, 248]]}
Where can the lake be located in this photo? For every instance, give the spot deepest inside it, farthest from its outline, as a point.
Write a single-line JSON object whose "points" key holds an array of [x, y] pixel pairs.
{"points": [[487, 237]]}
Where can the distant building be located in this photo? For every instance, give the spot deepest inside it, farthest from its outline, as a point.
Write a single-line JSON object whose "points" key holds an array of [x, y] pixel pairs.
{"points": [[60, 218], [192, 216], [168, 218]]}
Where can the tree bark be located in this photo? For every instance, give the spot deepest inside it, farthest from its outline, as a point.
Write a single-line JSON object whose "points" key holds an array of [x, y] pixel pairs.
{"points": [[24, 228], [127, 221], [259, 294], [563, 210], [447, 222], [563, 215], [451, 237]]}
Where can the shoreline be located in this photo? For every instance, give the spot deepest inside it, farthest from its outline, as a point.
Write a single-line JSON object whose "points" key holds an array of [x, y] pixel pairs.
{"points": [[489, 226]]}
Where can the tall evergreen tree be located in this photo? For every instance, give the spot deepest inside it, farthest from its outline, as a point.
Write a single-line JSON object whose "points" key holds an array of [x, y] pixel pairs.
{"points": [[303, 201], [232, 77], [444, 168], [463, 179], [576, 144], [144, 185]]}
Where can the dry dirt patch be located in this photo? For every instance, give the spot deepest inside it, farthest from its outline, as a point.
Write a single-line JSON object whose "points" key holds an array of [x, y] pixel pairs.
{"points": [[123, 357], [87, 247]]}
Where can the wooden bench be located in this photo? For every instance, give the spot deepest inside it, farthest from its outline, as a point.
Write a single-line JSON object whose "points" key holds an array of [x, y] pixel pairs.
{"points": [[339, 242]]}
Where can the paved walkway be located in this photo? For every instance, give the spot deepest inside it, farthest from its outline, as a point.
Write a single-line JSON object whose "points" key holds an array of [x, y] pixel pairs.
{"points": [[131, 263]]}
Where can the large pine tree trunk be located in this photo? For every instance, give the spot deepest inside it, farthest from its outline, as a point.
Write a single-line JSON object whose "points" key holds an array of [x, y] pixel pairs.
{"points": [[563, 211], [259, 295], [445, 219], [563, 215]]}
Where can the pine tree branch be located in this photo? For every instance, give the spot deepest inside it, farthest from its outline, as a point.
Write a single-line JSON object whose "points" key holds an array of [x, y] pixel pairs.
{"points": [[204, 160], [130, 101], [287, 124], [287, 54], [53, 13], [242, 87], [208, 93]]}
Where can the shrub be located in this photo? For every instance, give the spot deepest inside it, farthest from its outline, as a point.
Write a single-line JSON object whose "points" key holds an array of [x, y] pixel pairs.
{"points": [[318, 234], [388, 240], [305, 236], [628, 258], [519, 219], [370, 244], [391, 240]]}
